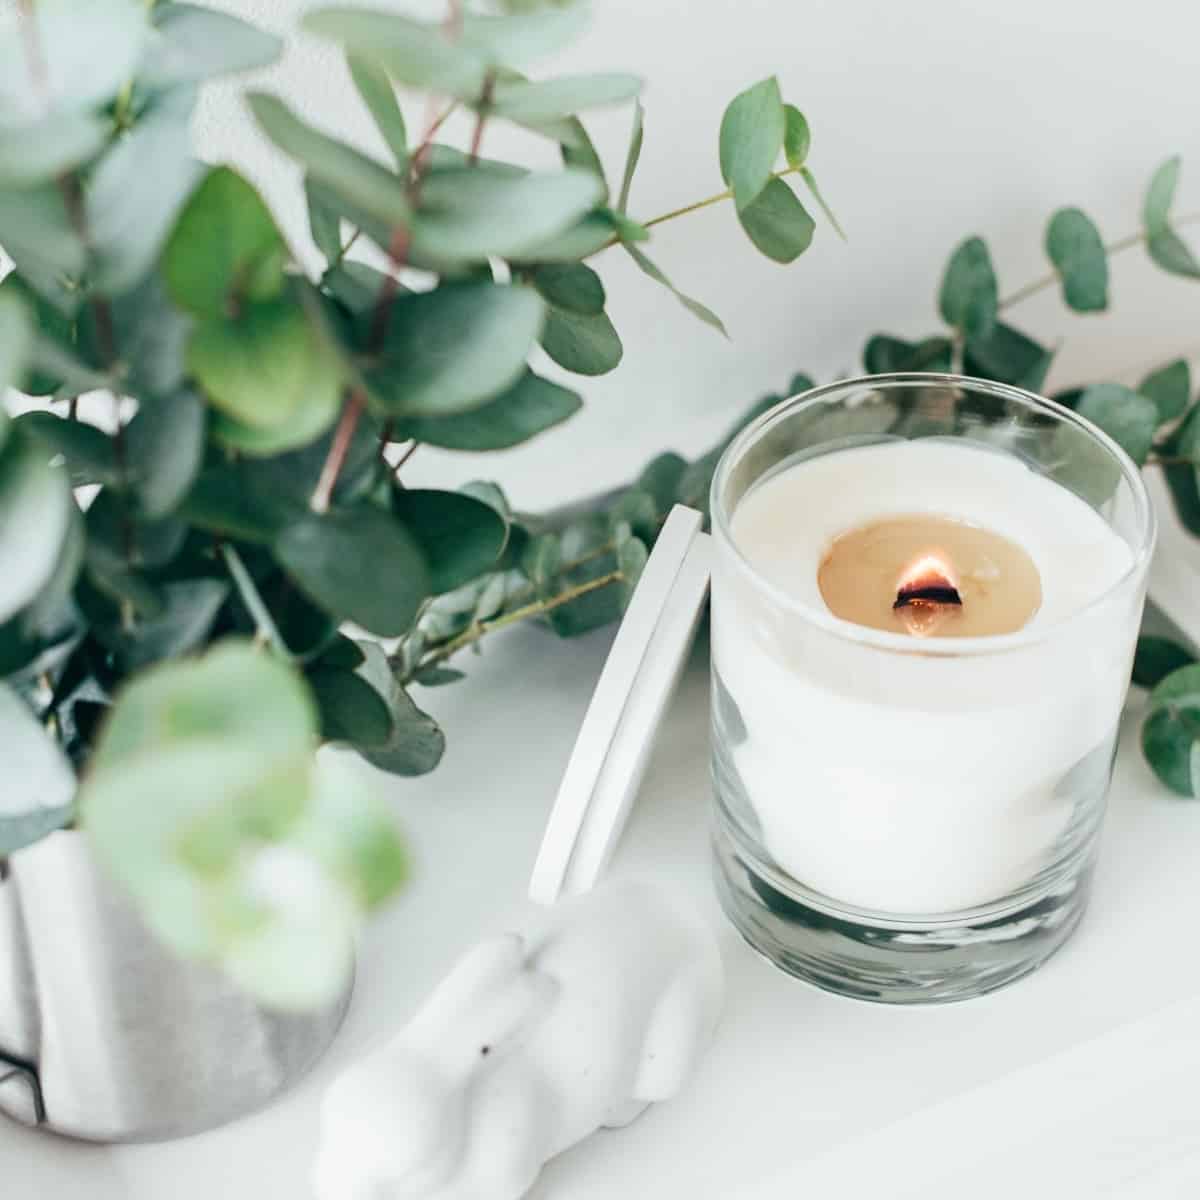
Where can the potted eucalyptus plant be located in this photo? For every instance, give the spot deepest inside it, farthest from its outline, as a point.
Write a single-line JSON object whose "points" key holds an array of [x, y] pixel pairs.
{"points": [[204, 524]]}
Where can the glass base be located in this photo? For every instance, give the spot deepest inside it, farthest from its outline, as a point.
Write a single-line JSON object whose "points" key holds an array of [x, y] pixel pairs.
{"points": [[868, 957]]}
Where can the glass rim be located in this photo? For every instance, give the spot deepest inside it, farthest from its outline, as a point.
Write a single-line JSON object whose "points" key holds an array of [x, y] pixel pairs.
{"points": [[900, 643]]}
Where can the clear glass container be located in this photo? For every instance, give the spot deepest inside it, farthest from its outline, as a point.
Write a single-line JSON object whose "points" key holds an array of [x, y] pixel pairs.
{"points": [[910, 819]]}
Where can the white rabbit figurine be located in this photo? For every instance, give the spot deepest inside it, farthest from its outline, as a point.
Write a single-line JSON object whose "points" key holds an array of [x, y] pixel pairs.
{"points": [[527, 1047]]}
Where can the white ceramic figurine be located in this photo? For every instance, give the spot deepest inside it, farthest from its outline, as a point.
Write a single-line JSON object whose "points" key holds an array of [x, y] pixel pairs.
{"points": [[528, 1046]]}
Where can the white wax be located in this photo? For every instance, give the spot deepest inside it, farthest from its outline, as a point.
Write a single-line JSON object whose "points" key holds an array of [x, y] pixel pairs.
{"points": [[914, 782]]}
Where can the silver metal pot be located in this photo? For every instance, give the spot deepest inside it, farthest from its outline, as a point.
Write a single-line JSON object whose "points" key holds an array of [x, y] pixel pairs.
{"points": [[105, 1035]]}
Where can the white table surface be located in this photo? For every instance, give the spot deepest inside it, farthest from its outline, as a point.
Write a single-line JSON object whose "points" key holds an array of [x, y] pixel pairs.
{"points": [[803, 1092]]}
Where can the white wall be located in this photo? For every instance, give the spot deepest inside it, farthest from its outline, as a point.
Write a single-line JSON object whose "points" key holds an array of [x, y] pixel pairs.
{"points": [[932, 119]]}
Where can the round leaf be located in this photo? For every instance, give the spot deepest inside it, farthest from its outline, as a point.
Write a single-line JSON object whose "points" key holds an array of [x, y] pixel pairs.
{"points": [[417, 744], [573, 286], [551, 99], [460, 537], [1074, 246], [884, 354], [164, 446], [327, 555], [191, 44], [1008, 355], [1170, 388], [752, 131], [49, 147], [448, 350], [350, 709], [1160, 195], [777, 223], [531, 406], [1129, 418], [585, 345], [37, 785], [796, 136], [1156, 658], [1172, 727], [968, 298]]}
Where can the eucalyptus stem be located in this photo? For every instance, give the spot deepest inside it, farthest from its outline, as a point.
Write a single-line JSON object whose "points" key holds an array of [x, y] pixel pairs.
{"points": [[266, 631], [481, 116], [537, 608], [1117, 247], [727, 194]]}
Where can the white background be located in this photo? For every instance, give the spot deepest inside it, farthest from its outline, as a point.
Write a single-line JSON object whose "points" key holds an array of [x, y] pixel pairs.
{"points": [[931, 119]]}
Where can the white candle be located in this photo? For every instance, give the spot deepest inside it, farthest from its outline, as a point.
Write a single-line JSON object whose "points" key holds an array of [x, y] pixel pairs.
{"points": [[887, 772]]}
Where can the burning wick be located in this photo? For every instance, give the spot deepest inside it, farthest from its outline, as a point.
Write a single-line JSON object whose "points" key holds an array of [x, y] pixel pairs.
{"points": [[926, 591]]}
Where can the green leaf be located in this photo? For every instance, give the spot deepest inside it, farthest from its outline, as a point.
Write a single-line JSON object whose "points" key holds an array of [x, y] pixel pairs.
{"points": [[87, 451], [573, 286], [230, 501], [38, 236], [1156, 658], [225, 248], [191, 44], [631, 559], [417, 744], [1172, 727], [632, 155], [697, 309], [777, 223], [884, 354], [49, 147], [552, 99], [437, 676], [350, 708], [296, 432], [810, 181], [473, 213], [518, 37], [578, 151], [324, 223], [16, 343], [451, 349], [796, 136], [638, 510], [33, 496], [1075, 247], [37, 785], [661, 478], [164, 445], [459, 537], [1129, 418], [360, 179], [1008, 355], [87, 53], [135, 194], [584, 345], [411, 52], [118, 540], [189, 611], [541, 560], [529, 407], [752, 132], [1173, 254], [968, 300], [375, 89], [1160, 195], [597, 230], [1170, 388], [266, 370], [325, 555]]}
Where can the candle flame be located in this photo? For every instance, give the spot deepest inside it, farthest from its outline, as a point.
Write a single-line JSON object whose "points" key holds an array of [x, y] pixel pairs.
{"points": [[926, 592]]}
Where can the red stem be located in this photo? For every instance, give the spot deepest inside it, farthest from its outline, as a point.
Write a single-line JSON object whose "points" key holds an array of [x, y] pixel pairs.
{"points": [[335, 460]]}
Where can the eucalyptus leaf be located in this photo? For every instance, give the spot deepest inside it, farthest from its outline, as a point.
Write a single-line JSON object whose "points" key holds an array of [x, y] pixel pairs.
{"points": [[661, 478], [49, 147], [573, 286], [796, 137], [191, 44], [1156, 658], [324, 222], [183, 625], [230, 501], [1160, 196], [752, 134], [1128, 417], [884, 354], [119, 540], [38, 235], [135, 194], [438, 676], [225, 248], [33, 496], [518, 37], [810, 181], [1007, 354], [776, 222], [968, 299], [16, 343], [460, 537], [631, 559], [325, 554], [1172, 728], [578, 151], [341, 167], [632, 155], [37, 785], [350, 709], [417, 744], [586, 345], [1170, 388], [1075, 247], [449, 350], [648, 267], [1173, 254], [529, 407], [376, 92], [87, 451], [552, 99], [594, 232], [472, 213], [164, 445]]}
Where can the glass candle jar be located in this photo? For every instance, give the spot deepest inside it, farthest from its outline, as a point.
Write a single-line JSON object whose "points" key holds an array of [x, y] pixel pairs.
{"points": [[904, 814]]}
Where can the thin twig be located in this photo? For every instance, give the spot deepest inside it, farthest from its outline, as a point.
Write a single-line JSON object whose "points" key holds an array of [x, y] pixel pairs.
{"points": [[538, 608], [481, 116], [409, 451], [338, 449], [266, 631]]}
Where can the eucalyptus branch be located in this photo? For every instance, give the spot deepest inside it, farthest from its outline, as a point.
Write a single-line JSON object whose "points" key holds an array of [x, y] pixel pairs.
{"points": [[267, 632], [1117, 247], [485, 103], [537, 608]]}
